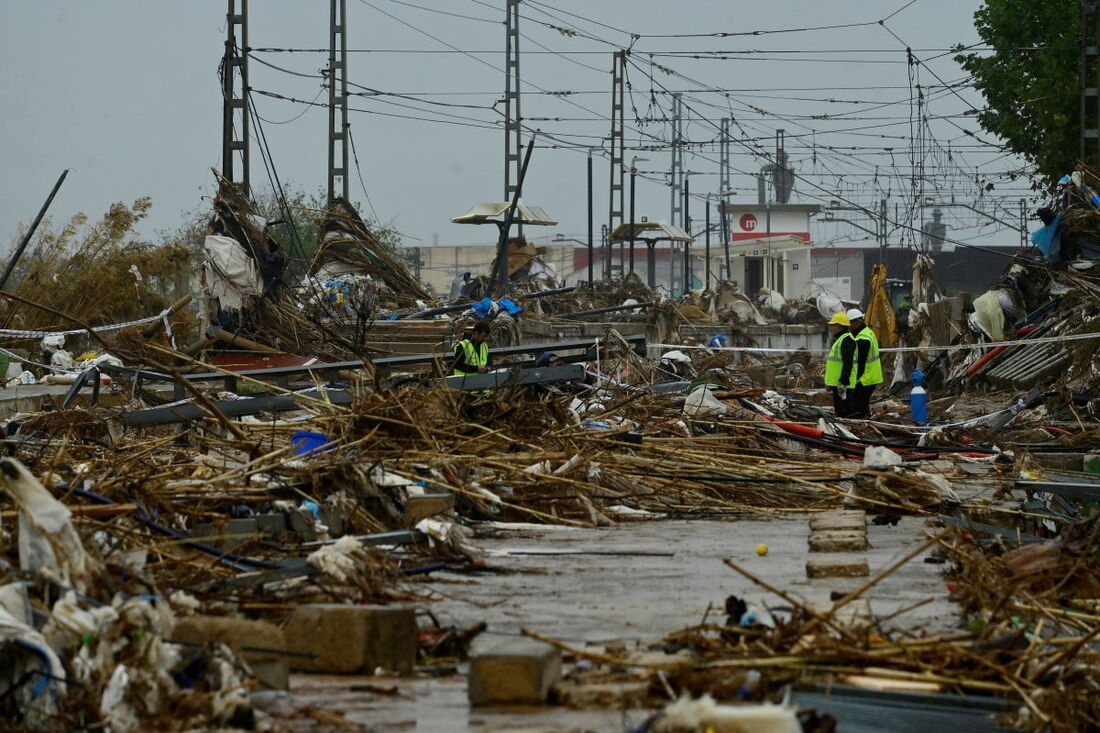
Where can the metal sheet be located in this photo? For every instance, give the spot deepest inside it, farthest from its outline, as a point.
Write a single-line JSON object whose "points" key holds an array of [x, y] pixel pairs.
{"points": [[652, 231], [491, 212]]}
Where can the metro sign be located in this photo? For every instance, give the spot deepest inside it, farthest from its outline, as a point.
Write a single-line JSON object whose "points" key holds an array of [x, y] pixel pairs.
{"points": [[747, 222]]}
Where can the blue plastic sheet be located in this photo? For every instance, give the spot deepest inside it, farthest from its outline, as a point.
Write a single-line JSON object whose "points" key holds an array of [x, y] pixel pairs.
{"points": [[483, 307], [1045, 238], [509, 307]]}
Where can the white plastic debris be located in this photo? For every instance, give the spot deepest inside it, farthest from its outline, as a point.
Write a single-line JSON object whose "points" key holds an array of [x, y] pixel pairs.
{"points": [[705, 714], [828, 304], [569, 465], [70, 621], [48, 543], [448, 534], [702, 403], [622, 511], [877, 456], [339, 560], [485, 493], [677, 356], [113, 704], [540, 467]]}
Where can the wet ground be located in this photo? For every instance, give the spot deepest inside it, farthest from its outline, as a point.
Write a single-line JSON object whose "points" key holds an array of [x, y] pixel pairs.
{"points": [[626, 584]]}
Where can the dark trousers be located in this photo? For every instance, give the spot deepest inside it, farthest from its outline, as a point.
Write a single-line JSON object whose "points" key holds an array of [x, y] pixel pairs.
{"points": [[842, 406], [860, 398]]}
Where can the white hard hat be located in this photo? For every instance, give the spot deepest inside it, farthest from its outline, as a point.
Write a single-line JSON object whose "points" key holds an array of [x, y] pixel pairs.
{"points": [[854, 313]]}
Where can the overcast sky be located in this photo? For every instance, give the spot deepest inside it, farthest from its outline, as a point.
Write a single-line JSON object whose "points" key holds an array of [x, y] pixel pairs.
{"points": [[126, 94]]}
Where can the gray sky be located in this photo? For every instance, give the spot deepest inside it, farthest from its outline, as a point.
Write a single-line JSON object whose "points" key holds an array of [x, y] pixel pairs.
{"points": [[125, 92]]}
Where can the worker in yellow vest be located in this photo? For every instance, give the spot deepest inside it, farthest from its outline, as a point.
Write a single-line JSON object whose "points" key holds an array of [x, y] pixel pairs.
{"points": [[868, 365], [840, 375], [472, 352]]}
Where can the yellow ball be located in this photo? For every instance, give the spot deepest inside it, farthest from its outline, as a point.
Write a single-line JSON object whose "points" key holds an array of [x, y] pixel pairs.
{"points": [[761, 549]]}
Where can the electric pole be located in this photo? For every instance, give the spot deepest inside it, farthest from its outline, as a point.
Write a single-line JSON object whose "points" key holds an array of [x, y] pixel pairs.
{"points": [[234, 73], [676, 169], [687, 228], [337, 100], [618, 151], [513, 120], [724, 190]]}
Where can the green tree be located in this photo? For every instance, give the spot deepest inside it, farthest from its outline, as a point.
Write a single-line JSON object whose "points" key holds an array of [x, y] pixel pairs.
{"points": [[1030, 79]]}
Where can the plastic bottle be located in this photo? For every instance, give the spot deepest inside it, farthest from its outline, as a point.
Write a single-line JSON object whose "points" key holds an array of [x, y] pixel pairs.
{"points": [[918, 399]]}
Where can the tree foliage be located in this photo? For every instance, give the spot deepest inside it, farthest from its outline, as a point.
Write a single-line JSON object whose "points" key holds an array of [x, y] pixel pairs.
{"points": [[99, 271], [1030, 79]]}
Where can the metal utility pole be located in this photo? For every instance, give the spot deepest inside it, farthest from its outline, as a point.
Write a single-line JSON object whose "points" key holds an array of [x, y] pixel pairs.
{"points": [[1023, 224], [676, 170], [337, 100], [687, 228], [590, 254], [724, 188], [234, 73], [633, 177], [1090, 82], [724, 157], [618, 149], [882, 223], [513, 120], [706, 266]]}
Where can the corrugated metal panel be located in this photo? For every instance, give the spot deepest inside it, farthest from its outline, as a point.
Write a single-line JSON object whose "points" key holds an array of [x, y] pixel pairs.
{"points": [[492, 211]]}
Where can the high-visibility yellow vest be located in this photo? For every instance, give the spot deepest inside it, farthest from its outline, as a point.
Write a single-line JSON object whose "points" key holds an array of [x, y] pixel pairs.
{"points": [[477, 356], [872, 370], [834, 364]]}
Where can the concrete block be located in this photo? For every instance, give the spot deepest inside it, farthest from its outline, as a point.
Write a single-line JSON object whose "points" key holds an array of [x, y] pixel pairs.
{"points": [[259, 643], [519, 673], [352, 639], [839, 520], [302, 526], [762, 375], [835, 566], [840, 540], [272, 524], [427, 505], [1060, 461]]}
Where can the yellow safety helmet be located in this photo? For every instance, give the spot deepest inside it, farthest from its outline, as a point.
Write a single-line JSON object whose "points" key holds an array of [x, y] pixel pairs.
{"points": [[840, 319]]}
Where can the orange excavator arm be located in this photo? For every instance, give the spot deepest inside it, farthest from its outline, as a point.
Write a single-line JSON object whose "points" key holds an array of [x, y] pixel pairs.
{"points": [[879, 314]]}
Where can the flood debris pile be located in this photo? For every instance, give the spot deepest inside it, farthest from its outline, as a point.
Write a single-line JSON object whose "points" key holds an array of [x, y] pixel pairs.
{"points": [[1023, 654], [217, 522]]}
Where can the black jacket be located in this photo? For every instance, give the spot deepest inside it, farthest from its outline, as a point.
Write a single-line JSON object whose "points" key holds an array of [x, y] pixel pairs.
{"points": [[847, 354]]}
